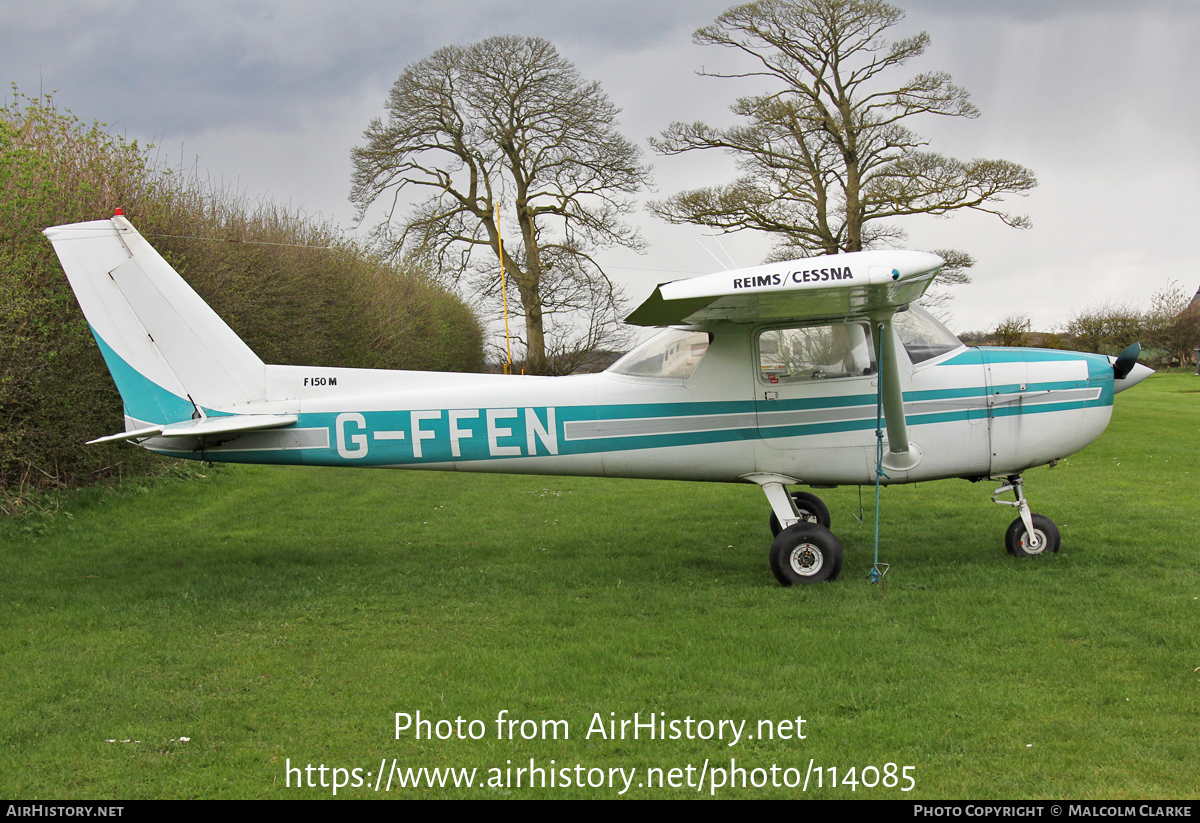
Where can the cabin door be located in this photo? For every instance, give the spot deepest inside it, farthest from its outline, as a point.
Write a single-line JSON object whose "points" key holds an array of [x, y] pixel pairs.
{"points": [[815, 397]]}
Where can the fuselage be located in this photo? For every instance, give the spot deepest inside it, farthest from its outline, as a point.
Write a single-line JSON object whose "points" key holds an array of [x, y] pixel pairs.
{"points": [[971, 412]]}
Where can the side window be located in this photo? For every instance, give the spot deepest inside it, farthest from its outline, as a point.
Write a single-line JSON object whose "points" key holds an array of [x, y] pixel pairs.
{"points": [[672, 353], [829, 352]]}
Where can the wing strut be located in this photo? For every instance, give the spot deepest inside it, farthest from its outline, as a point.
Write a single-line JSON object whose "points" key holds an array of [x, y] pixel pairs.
{"points": [[883, 329], [902, 454]]}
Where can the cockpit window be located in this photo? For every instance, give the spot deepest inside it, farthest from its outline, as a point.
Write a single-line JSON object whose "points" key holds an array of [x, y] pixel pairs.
{"points": [[924, 338], [815, 353], [673, 353]]}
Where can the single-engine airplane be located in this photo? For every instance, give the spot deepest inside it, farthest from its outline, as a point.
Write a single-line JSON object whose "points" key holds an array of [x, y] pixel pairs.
{"points": [[775, 375]]}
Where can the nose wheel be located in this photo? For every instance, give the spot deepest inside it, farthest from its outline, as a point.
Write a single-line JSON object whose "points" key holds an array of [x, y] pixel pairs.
{"points": [[1030, 534], [1020, 542]]}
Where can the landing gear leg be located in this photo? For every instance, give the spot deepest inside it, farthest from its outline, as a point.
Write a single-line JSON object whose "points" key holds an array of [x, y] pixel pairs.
{"points": [[809, 508], [1030, 534]]}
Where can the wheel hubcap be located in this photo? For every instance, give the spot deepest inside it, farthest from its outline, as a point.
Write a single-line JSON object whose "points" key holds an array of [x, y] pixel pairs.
{"points": [[1035, 546], [807, 559]]}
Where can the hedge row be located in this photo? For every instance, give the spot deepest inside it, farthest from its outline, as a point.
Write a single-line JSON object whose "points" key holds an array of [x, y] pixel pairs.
{"points": [[293, 288]]}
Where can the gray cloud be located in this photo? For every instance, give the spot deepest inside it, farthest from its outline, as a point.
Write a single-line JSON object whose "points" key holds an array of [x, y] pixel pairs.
{"points": [[1095, 95]]}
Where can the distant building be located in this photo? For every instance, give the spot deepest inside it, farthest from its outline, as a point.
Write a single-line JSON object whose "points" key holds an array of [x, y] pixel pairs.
{"points": [[1194, 306]]}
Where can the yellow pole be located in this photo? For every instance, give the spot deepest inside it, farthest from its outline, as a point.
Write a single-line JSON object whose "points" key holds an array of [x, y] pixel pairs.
{"points": [[504, 295]]}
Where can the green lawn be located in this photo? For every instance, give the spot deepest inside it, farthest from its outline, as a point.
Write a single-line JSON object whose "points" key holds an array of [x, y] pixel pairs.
{"points": [[277, 614]]}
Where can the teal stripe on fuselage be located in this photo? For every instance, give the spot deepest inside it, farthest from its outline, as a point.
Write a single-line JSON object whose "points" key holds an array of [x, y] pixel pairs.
{"points": [[1002, 354], [1098, 365], [510, 435]]}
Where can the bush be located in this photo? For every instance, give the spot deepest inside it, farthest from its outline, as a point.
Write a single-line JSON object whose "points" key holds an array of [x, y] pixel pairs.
{"points": [[293, 288], [1169, 331], [1106, 329]]}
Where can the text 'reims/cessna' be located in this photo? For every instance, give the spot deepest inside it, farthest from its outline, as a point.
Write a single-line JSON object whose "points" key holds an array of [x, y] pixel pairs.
{"points": [[774, 375]]}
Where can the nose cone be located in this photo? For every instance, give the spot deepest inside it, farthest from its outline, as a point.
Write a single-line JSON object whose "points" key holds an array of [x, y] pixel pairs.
{"points": [[1136, 375]]}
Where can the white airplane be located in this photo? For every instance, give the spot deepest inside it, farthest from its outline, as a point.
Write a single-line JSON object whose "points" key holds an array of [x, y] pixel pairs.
{"points": [[768, 375]]}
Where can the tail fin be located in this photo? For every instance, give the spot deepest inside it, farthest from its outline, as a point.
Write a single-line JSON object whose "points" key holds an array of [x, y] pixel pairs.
{"points": [[170, 355]]}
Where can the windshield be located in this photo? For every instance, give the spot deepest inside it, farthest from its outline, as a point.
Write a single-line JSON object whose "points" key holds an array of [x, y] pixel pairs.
{"points": [[672, 353], [924, 338]]}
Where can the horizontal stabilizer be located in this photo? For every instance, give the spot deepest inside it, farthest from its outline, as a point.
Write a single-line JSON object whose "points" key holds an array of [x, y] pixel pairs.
{"points": [[131, 436], [818, 288], [205, 427]]}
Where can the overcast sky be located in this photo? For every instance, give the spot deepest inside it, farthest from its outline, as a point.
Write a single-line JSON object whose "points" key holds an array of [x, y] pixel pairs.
{"points": [[1096, 97]]}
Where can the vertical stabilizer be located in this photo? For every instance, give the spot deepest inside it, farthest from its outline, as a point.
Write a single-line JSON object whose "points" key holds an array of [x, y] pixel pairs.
{"points": [[168, 352]]}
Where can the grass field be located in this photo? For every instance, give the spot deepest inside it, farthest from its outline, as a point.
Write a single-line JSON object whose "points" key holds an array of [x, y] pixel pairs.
{"points": [[275, 616]]}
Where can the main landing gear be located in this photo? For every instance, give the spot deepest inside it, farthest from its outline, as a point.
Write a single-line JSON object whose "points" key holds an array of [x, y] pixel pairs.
{"points": [[1030, 534], [805, 550]]}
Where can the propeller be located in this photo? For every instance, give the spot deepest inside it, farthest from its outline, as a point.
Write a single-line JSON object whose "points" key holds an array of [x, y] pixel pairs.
{"points": [[1126, 360]]}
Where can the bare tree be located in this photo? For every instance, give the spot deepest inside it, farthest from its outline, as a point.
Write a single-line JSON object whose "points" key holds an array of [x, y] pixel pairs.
{"points": [[508, 122], [827, 158]]}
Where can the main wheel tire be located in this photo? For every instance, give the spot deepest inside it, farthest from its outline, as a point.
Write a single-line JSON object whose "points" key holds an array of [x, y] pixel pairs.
{"points": [[812, 510], [806, 553], [1047, 538]]}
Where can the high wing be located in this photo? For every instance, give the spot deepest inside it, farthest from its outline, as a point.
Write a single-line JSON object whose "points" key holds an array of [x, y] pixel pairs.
{"points": [[819, 288], [874, 283]]}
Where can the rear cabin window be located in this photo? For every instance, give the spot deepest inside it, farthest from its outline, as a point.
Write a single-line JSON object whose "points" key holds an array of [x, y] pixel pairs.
{"points": [[672, 353], [792, 355]]}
